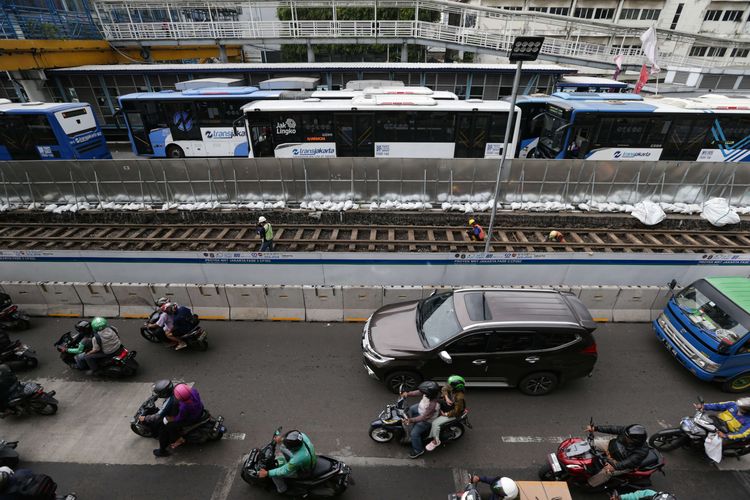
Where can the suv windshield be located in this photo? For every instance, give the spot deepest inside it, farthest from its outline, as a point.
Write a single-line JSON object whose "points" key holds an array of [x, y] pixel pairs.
{"points": [[437, 319], [709, 316]]}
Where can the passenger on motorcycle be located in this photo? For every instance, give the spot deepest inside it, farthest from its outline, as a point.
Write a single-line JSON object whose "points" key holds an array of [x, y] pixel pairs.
{"points": [[8, 380], [420, 415], [503, 488], [452, 405], [104, 343], [175, 320], [625, 452], [296, 456], [642, 495], [86, 333], [163, 389], [190, 409], [735, 415]]}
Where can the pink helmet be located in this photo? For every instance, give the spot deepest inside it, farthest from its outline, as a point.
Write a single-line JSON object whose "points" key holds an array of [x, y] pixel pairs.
{"points": [[182, 392]]}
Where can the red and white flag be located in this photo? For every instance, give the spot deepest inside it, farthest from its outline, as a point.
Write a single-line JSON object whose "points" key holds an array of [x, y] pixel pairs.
{"points": [[641, 80], [648, 43], [618, 63]]}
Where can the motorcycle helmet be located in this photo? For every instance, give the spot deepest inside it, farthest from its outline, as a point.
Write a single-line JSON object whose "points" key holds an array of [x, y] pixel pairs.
{"points": [[293, 440], [182, 392], [98, 324], [5, 474], [636, 433], [169, 308], [5, 370], [457, 382], [505, 488], [161, 301], [744, 405], [84, 328], [663, 496], [429, 389], [163, 388]]}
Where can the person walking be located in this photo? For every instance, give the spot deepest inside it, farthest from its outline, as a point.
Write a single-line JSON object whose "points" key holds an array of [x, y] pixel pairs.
{"points": [[476, 233], [265, 231]]}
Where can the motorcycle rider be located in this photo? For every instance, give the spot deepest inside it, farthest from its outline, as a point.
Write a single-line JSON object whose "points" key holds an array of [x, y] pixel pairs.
{"points": [[104, 343], [625, 452], [163, 389], [297, 459], [420, 415], [735, 415], [8, 381], [190, 409], [85, 334], [175, 320], [503, 488], [642, 495], [452, 406]]}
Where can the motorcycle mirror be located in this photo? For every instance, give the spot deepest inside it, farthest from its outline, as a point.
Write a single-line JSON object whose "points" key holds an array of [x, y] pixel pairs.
{"points": [[445, 357], [672, 284], [278, 431], [701, 400]]}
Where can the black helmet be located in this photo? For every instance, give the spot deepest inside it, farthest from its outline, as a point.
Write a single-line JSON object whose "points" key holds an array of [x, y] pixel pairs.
{"points": [[429, 389], [293, 440], [636, 433], [663, 496], [163, 388], [5, 370], [84, 327]]}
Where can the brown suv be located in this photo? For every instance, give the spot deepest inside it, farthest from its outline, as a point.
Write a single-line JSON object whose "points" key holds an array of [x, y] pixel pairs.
{"points": [[530, 339]]}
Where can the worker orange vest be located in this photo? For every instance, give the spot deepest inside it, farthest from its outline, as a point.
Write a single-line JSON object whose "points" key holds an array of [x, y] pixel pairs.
{"points": [[482, 235]]}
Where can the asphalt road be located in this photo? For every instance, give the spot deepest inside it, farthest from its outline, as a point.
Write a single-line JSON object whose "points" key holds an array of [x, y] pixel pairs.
{"points": [[310, 376]]}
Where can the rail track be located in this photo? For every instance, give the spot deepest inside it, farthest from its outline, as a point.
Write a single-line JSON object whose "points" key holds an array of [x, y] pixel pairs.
{"points": [[361, 238]]}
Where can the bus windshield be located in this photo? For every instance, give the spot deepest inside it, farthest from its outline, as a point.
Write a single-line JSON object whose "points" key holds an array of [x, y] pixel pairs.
{"points": [[552, 134]]}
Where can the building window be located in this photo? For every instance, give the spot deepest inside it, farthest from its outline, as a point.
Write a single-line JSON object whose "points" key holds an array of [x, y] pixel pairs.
{"points": [[650, 14], [698, 51], [740, 52], [604, 14], [538, 9], [584, 12], [732, 15], [712, 15], [716, 51], [560, 11], [676, 16], [629, 13], [511, 8]]}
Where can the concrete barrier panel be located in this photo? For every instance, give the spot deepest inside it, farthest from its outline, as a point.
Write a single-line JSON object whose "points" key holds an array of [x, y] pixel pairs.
{"points": [[285, 303], [428, 289], [209, 301], [634, 303], [361, 301], [62, 299], [135, 299], [246, 301], [600, 300], [660, 301], [27, 295], [175, 292], [393, 294], [323, 303], [98, 299]]}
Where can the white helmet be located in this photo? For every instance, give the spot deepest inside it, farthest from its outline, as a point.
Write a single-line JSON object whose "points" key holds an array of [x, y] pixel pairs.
{"points": [[261, 219], [470, 495], [505, 488], [744, 405]]}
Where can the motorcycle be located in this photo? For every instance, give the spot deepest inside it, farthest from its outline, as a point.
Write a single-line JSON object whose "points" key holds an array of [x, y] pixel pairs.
{"points": [[328, 479], [17, 355], [577, 460], [8, 454], [10, 316], [196, 338], [28, 397], [205, 429], [693, 432], [390, 424], [470, 492], [120, 364]]}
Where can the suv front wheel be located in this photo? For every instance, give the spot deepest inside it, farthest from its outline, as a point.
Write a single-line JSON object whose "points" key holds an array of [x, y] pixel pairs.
{"points": [[538, 384], [408, 379]]}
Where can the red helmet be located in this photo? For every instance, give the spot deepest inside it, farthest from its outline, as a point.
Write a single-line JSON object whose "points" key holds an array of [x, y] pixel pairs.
{"points": [[182, 392]]}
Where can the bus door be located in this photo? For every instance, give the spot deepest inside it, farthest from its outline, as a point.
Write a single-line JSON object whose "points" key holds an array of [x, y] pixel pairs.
{"points": [[354, 134], [142, 119], [261, 139], [471, 135]]}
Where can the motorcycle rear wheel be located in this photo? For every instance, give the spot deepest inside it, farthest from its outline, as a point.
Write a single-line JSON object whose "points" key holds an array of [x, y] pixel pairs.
{"points": [[43, 408], [452, 432], [150, 336], [381, 435], [31, 362], [668, 439]]}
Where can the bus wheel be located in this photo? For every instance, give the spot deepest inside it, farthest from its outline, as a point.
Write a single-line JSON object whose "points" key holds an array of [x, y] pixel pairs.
{"points": [[175, 152]]}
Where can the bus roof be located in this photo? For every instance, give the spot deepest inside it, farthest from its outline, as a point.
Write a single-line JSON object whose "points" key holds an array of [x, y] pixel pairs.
{"points": [[207, 92], [605, 106], [597, 96], [35, 107], [385, 102], [735, 288], [583, 81]]}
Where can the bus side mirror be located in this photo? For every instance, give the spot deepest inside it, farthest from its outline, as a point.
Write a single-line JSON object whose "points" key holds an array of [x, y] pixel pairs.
{"points": [[672, 284], [234, 125]]}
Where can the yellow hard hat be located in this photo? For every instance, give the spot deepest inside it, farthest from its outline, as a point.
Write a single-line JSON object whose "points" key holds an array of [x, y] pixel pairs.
{"points": [[471, 221]]}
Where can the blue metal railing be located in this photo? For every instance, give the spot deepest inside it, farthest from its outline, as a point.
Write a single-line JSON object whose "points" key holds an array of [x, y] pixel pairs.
{"points": [[46, 22]]}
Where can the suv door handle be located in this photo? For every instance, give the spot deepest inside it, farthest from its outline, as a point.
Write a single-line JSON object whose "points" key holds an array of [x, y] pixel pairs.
{"points": [[532, 359], [479, 361]]}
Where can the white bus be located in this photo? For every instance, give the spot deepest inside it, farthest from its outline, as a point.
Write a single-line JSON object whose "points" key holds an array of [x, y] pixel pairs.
{"points": [[383, 124]]}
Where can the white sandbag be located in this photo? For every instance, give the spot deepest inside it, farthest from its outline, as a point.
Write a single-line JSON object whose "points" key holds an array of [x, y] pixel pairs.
{"points": [[718, 212], [648, 212], [713, 445]]}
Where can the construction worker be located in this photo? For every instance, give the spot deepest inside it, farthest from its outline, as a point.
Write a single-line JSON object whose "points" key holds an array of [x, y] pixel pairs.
{"points": [[265, 231], [476, 233], [556, 236]]}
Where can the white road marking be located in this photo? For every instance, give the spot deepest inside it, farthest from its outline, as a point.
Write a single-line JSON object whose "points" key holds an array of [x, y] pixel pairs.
{"points": [[533, 439], [460, 479], [380, 461], [224, 485], [236, 436]]}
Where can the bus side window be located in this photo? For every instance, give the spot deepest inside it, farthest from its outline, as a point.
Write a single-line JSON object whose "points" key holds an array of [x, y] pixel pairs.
{"points": [[579, 143], [260, 135]]}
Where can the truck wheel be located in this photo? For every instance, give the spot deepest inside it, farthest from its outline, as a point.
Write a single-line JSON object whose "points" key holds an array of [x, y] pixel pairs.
{"points": [[739, 383]]}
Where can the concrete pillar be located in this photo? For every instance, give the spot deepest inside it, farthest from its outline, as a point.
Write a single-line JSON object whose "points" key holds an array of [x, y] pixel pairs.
{"points": [[33, 84], [404, 52], [310, 53], [222, 53]]}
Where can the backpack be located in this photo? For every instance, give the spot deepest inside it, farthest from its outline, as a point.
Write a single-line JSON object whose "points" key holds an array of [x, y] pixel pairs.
{"points": [[37, 487]]}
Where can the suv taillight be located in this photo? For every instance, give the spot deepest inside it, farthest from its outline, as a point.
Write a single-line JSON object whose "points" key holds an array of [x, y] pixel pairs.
{"points": [[591, 349]]}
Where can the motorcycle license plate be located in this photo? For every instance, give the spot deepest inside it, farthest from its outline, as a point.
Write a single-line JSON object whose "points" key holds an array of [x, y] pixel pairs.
{"points": [[554, 463]]}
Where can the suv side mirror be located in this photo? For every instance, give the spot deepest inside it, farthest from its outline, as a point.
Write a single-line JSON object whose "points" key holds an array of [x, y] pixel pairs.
{"points": [[445, 357]]}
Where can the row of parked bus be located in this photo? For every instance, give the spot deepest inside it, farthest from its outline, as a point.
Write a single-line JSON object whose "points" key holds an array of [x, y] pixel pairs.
{"points": [[389, 121]]}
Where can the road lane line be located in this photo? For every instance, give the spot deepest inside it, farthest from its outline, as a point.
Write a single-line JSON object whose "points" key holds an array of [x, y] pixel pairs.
{"points": [[380, 461], [235, 436], [533, 439], [224, 485], [460, 479]]}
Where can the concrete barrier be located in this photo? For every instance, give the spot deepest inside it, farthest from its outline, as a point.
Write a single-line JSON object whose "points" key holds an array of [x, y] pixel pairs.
{"points": [[209, 301], [135, 299], [361, 301], [175, 292], [246, 301], [62, 299], [428, 289], [285, 303], [600, 300], [393, 294], [660, 301], [98, 299], [27, 295], [634, 303], [323, 303]]}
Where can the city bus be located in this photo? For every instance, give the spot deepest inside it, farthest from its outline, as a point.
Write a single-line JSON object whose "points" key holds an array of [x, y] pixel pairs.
{"points": [[577, 83], [710, 128], [50, 131], [381, 125]]}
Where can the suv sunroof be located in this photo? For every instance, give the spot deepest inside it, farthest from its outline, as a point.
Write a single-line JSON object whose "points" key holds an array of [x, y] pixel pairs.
{"points": [[476, 307]]}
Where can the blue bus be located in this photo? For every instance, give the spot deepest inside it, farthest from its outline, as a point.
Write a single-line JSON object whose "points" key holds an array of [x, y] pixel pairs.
{"points": [[50, 131]]}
